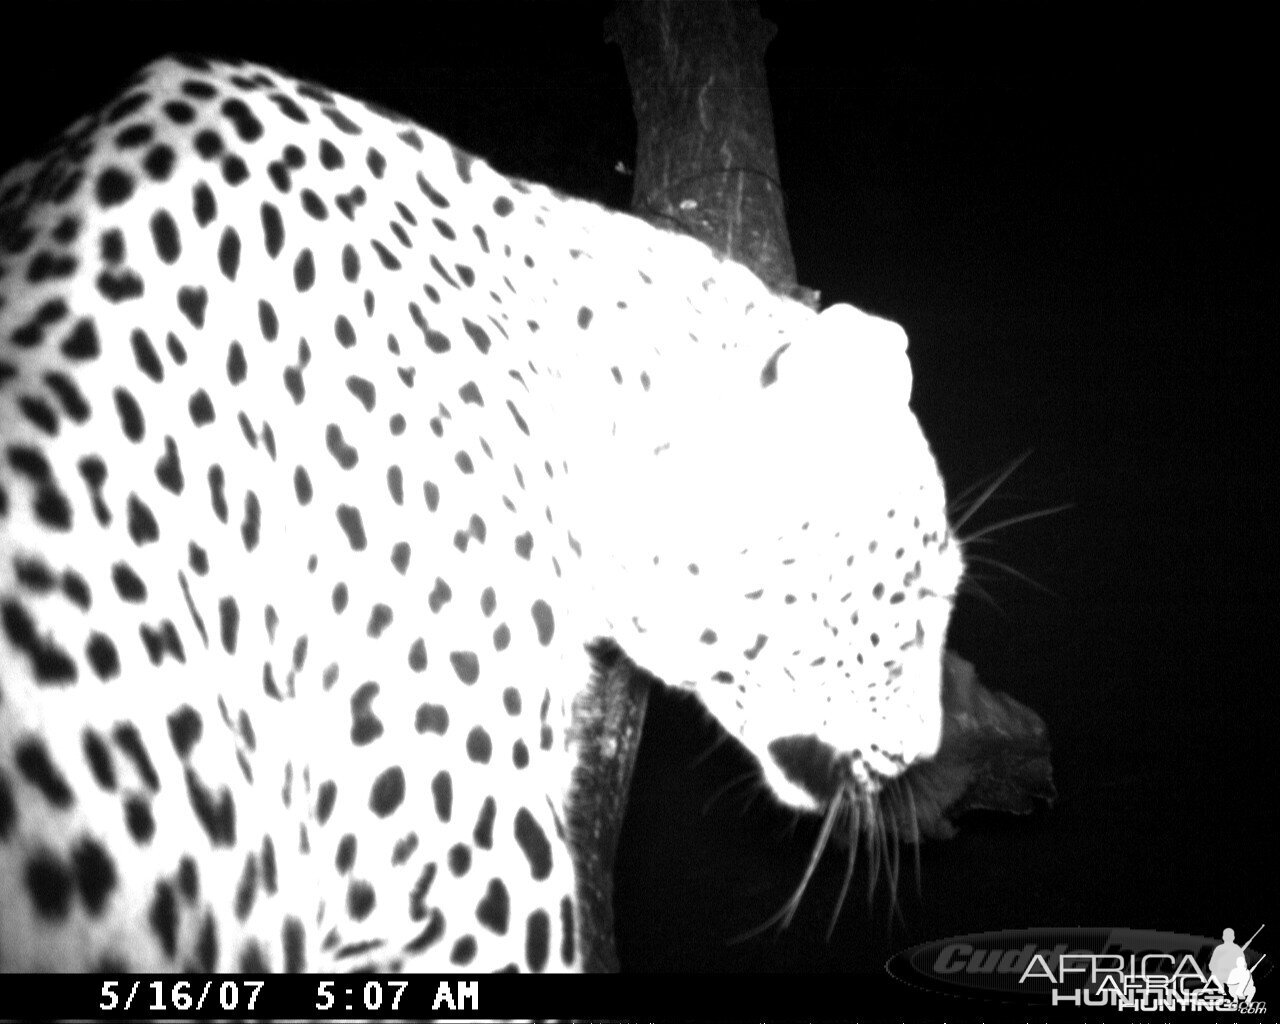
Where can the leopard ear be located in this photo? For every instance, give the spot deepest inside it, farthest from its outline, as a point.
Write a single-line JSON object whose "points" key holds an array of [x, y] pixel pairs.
{"points": [[868, 349], [844, 362]]}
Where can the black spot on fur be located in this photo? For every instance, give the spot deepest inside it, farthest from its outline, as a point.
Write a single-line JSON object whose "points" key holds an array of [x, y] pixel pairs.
{"points": [[129, 740], [494, 910], [49, 884], [34, 574], [418, 655], [313, 205], [98, 756], [234, 169], [769, 372], [143, 528], [139, 820], [293, 937], [361, 899], [163, 918], [432, 718], [94, 472], [31, 757], [272, 229], [304, 271], [246, 125], [192, 302], [52, 509], [353, 526], [501, 637], [289, 108], [477, 335], [102, 654], [270, 879], [404, 848], [465, 665], [217, 817], [567, 930], [350, 264], [464, 951], [325, 798], [246, 888], [185, 729], [482, 835], [229, 622], [365, 726], [229, 253], [252, 960], [203, 204], [384, 254], [113, 187], [251, 526], [479, 745], [188, 879], [112, 246], [429, 935], [346, 854], [69, 396], [237, 365], [39, 413], [537, 940], [95, 874], [302, 486], [346, 335], [165, 237], [8, 808], [388, 791], [331, 157], [459, 859], [544, 621], [520, 420], [268, 323], [533, 843], [208, 143], [169, 468], [441, 594], [442, 795], [353, 949], [344, 455], [207, 944], [363, 390], [200, 407]]}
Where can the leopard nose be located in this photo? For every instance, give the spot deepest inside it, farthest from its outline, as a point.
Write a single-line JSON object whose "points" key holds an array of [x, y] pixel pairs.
{"points": [[816, 767]]}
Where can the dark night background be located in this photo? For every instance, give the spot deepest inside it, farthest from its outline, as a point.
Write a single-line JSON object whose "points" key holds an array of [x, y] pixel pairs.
{"points": [[1070, 211]]}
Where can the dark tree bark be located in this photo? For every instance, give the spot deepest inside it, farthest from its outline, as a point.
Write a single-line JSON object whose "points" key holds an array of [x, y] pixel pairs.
{"points": [[706, 163]]}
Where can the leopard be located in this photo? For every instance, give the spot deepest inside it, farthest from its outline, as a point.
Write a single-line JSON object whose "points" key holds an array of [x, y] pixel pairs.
{"points": [[332, 464]]}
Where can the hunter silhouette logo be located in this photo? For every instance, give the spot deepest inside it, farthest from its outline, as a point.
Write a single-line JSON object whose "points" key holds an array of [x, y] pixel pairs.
{"points": [[1228, 969]]}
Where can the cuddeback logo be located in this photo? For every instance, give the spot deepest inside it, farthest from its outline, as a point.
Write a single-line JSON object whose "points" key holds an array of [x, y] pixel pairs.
{"points": [[1121, 968]]}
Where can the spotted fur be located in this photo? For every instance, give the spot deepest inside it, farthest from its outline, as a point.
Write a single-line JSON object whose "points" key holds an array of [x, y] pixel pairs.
{"points": [[324, 450]]}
